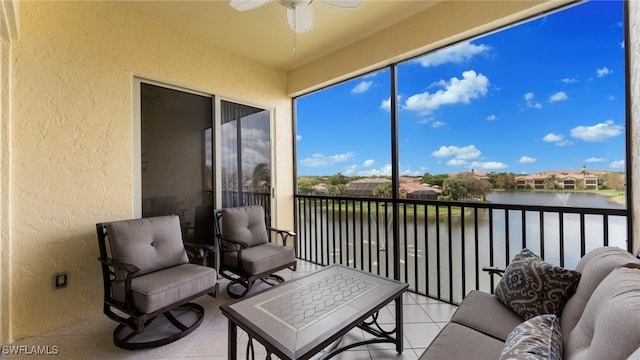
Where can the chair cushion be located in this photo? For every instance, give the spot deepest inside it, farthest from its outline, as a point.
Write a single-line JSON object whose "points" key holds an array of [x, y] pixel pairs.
{"points": [[481, 311], [244, 224], [158, 289], [610, 324], [458, 342], [261, 258], [537, 338], [594, 267], [532, 287], [150, 243]]}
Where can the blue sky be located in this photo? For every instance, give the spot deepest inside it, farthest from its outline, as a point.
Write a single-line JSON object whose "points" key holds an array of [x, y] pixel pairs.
{"points": [[544, 95]]}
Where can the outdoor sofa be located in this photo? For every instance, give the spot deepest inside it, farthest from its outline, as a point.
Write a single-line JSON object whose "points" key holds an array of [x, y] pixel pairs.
{"points": [[592, 312]]}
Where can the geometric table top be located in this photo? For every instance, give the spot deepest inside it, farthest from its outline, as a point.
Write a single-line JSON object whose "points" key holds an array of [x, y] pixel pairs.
{"points": [[300, 314]]}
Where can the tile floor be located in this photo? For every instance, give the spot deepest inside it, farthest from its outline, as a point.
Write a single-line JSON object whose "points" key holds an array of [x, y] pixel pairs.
{"points": [[92, 339]]}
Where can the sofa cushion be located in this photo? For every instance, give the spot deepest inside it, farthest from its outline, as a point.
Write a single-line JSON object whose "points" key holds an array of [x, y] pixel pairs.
{"points": [[244, 224], [609, 327], [538, 338], [458, 342], [158, 289], [532, 287], [150, 243], [593, 267], [483, 312]]}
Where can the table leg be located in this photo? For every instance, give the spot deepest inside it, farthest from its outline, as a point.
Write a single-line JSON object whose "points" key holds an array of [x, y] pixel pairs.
{"points": [[232, 341], [399, 322]]}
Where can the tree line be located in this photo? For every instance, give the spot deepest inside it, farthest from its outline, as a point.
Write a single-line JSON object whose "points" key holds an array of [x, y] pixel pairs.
{"points": [[465, 185]]}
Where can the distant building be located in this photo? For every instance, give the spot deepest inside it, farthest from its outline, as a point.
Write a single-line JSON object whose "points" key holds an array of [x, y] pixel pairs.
{"points": [[410, 188], [320, 189], [364, 187], [416, 191], [564, 179]]}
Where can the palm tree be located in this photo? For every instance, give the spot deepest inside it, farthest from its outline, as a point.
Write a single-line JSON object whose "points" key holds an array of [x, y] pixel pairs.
{"points": [[261, 175], [551, 182]]}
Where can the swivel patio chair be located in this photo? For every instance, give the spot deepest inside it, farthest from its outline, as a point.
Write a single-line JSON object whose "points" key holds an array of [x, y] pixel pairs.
{"points": [[247, 253], [146, 273]]}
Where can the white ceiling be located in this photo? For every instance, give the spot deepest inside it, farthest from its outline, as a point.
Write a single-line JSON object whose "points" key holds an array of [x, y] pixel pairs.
{"points": [[263, 34]]}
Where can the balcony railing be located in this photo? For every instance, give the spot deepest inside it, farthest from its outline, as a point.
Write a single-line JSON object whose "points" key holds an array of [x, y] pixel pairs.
{"points": [[440, 247]]}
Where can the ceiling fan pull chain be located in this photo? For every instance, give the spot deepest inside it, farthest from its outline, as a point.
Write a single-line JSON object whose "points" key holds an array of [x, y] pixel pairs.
{"points": [[295, 19]]}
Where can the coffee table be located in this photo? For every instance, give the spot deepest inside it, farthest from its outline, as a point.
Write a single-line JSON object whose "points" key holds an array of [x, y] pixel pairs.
{"points": [[301, 317]]}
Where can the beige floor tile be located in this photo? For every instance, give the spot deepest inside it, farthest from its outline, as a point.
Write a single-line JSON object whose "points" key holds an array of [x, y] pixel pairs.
{"points": [[92, 339]]}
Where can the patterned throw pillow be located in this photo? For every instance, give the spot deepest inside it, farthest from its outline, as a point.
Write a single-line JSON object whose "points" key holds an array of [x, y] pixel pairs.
{"points": [[532, 287], [535, 339]]}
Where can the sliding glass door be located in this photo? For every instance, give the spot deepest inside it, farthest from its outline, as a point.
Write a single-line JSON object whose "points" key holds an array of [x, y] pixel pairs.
{"points": [[245, 153], [176, 157], [180, 138]]}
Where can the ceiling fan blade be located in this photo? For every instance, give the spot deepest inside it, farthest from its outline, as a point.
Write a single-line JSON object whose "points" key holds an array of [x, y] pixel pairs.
{"points": [[246, 5], [300, 19], [347, 4]]}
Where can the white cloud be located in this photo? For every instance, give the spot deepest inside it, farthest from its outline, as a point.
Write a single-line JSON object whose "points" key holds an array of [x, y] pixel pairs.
{"points": [[528, 97], [492, 117], [460, 156], [383, 171], [455, 54], [457, 162], [386, 103], [436, 124], [618, 164], [368, 163], [350, 170], [594, 159], [527, 160], [603, 72], [559, 96], [551, 137], [488, 165], [465, 153], [410, 172], [362, 87], [611, 97], [298, 137], [471, 86], [317, 160], [598, 132], [558, 140], [569, 80]]}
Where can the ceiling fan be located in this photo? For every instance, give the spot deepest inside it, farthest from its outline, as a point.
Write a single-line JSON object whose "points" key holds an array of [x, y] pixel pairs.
{"points": [[299, 12]]}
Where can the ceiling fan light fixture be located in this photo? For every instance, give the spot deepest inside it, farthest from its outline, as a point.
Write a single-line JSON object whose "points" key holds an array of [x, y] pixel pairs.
{"points": [[294, 4]]}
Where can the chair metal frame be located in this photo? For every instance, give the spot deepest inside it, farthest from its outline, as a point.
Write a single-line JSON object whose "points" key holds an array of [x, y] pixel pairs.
{"points": [[136, 320], [236, 274]]}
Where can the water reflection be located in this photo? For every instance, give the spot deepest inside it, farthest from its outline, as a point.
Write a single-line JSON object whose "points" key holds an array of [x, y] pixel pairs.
{"points": [[442, 250]]}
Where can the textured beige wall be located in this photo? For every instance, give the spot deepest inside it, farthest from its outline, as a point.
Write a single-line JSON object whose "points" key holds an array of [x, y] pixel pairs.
{"points": [[443, 24], [633, 47], [71, 143], [8, 31]]}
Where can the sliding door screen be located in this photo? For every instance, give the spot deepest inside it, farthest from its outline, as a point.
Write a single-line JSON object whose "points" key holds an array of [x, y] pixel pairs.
{"points": [[245, 155], [176, 159]]}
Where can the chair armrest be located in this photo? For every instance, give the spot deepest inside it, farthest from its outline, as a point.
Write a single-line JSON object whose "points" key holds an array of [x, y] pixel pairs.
{"points": [[203, 247], [199, 253], [493, 270], [238, 242], [284, 234], [118, 265], [129, 270]]}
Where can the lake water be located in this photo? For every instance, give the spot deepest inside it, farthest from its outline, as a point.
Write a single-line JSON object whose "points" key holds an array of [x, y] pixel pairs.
{"points": [[439, 258], [571, 199]]}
